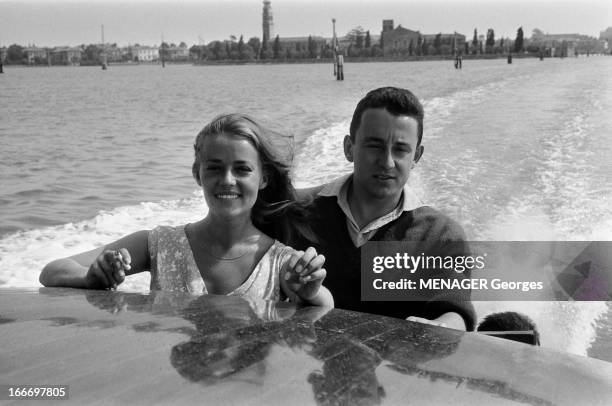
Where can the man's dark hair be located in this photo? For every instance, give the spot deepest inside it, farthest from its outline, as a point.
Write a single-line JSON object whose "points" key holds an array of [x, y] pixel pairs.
{"points": [[509, 321], [397, 101]]}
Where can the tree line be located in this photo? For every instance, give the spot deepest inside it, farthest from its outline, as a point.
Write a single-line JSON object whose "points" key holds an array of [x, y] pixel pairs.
{"points": [[357, 43], [255, 49]]}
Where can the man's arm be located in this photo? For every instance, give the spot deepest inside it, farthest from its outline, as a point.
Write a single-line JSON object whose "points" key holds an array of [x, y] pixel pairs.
{"points": [[441, 236]]}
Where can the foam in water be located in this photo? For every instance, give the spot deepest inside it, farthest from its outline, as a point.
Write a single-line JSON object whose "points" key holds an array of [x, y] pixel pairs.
{"points": [[568, 326], [561, 208], [321, 157], [23, 254]]}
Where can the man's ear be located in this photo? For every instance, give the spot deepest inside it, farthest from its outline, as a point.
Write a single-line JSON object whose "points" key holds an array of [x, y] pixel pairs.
{"points": [[195, 171], [418, 154], [348, 148]]}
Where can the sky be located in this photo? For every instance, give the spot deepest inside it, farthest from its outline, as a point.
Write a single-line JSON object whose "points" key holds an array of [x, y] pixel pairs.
{"points": [[75, 22]]}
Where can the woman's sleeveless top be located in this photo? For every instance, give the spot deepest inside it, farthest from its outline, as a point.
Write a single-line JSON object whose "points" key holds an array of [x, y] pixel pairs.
{"points": [[173, 267]]}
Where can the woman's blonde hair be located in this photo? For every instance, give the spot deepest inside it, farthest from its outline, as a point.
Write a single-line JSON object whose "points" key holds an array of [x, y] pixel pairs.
{"points": [[277, 210]]}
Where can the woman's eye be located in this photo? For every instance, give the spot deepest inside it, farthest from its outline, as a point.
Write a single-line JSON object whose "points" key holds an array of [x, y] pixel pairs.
{"points": [[212, 168], [244, 169]]}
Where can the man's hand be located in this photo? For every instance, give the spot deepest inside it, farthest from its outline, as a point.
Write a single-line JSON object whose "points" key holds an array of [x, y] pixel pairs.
{"points": [[448, 320], [426, 321]]}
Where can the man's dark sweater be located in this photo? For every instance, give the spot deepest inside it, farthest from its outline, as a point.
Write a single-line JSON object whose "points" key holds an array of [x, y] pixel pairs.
{"points": [[431, 229]]}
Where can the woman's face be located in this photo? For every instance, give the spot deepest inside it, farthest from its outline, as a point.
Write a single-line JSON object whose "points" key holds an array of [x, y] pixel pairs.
{"points": [[231, 175]]}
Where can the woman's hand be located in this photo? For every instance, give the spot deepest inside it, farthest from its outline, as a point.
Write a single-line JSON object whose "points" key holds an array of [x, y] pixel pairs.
{"points": [[108, 269], [102, 267], [304, 274]]}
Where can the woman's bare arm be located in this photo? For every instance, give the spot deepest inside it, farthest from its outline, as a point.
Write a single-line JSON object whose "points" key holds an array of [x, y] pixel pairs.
{"points": [[97, 269]]}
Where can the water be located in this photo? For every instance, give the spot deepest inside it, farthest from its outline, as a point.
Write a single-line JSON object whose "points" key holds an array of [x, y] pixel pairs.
{"points": [[514, 152]]}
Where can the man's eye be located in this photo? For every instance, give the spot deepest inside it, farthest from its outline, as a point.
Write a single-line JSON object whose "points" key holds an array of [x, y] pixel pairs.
{"points": [[212, 168]]}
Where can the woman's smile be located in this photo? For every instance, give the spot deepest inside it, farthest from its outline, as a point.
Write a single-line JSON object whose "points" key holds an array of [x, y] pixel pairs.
{"points": [[227, 196], [231, 174]]}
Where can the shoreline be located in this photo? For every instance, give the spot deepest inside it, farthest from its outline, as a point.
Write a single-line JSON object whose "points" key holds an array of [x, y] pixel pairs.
{"points": [[347, 60]]}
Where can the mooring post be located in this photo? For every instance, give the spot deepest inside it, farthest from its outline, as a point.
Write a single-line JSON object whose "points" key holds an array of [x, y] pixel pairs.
{"points": [[340, 68]]}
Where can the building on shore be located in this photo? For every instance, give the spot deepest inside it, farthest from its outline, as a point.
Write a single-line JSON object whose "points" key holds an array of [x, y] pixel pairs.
{"points": [[402, 41], [562, 45], [300, 47], [66, 55], [177, 53], [141, 53], [606, 37], [36, 55], [398, 40], [267, 21], [115, 54]]}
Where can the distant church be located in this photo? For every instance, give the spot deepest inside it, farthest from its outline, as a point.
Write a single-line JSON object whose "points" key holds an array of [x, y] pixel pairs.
{"points": [[268, 24], [290, 47]]}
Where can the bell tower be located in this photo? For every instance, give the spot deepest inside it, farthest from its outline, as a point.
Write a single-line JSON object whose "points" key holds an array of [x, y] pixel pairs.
{"points": [[268, 24]]}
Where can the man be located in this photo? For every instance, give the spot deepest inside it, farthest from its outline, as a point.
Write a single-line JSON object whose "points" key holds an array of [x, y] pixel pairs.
{"points": [[374, 204]]}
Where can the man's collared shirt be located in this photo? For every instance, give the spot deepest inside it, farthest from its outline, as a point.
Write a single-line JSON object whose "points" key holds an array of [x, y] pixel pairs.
{"points": [[339, 188]]}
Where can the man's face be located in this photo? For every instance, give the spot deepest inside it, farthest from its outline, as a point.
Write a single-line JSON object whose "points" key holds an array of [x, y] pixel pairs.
{"points": [[383, 152]]}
